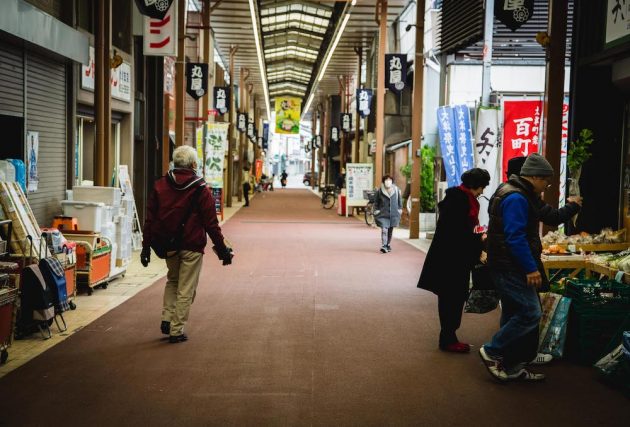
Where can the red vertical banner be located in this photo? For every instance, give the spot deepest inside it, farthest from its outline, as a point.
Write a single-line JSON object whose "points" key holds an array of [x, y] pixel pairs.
{"points": [[521, 130], [258, 169]]}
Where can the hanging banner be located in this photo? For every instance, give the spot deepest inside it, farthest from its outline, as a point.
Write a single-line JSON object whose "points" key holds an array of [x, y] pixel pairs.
{"points": [[221, 96], [317, 141], [461, 114], [288, 112], [346, 122], [160, 34], [513, 13], [395, 71], [521, 129], [199, 146], [196, 79], [364, 100], [120, 79], [32, 159], [563, 152], [216, 146], [265, 136], [334, 134], [241, 123], [155, 9], [487, 156], [250, 128], [446, 128]]}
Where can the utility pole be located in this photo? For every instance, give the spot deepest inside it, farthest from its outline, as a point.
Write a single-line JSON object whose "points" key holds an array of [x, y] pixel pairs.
{"points": [[357, 137], [381, 20], [554, 94], [416, 122], [180, 70], [102, 93], [230, 157]]}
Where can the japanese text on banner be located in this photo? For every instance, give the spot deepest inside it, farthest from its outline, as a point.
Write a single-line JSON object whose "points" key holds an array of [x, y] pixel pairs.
{"points": [[446, 127], [521, 129]]}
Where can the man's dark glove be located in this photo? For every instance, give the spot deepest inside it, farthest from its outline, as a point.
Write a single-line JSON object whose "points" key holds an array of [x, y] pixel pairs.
{"points": [[225, 254], [145, 256]]}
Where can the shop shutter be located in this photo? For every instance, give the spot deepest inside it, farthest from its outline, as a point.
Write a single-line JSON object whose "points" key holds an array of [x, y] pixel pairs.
{"points": [[46, 114], [11, 80]]}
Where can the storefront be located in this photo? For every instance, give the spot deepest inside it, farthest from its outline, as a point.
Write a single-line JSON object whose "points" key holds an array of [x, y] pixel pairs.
{"points": [[35, 101]]}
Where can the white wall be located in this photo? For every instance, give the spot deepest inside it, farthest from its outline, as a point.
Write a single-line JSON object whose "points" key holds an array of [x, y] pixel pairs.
{"points": [[465, 81]]}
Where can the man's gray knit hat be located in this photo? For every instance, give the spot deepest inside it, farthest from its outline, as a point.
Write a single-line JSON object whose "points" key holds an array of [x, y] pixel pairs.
{"points": [[536, 165]]}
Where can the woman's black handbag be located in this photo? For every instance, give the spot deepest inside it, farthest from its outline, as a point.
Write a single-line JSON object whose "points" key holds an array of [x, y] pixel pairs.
{"points": [[483, 296]]}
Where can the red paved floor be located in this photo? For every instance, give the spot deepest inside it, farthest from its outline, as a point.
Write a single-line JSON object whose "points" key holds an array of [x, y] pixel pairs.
{"points": [[311, 325]]}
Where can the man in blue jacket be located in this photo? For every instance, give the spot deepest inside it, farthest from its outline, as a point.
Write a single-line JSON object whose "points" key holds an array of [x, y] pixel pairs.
{"points": [[514, 250]]}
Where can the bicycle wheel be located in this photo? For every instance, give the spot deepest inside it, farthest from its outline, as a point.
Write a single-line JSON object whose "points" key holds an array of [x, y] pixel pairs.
{"points": [[369, 214], [328, 201]]}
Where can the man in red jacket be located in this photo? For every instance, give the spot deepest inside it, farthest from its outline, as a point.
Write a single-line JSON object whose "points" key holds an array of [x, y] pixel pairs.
{"points": [[180, 212]]}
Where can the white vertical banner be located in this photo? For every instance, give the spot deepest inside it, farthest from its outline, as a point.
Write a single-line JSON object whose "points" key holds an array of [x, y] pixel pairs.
{"points": [[488, 155], [32, 158], [564, 152], [216, 146], [160, 35]]}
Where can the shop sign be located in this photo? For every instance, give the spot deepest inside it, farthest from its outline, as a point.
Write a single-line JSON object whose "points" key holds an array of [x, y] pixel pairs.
{"points": [[395, 71], [450, 156], [241, 124], [160, 34], [346, 122], [463, 132], [359, 178], [222, 100], [87, 72], [513, 13], [617, 21], [156, 9], [487, 156], [216, 146], [364, 100], [250, 129], [121, 82], [521, 129], [334, 134], [197, 80], [288, 110], [169, 75]]}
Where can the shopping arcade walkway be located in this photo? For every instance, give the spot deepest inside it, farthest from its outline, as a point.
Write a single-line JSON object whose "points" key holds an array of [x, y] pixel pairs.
{"points": [[311, 325]]}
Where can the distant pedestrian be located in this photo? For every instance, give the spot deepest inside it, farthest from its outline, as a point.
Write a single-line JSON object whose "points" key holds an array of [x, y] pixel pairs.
{"points": [[246, 185], [387, 211], [454, 251], [514, 250], [340, 181], [283, 179], [180, 212]]}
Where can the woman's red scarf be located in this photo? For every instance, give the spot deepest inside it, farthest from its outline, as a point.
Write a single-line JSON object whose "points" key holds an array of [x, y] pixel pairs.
{"points": [[473, 211]]}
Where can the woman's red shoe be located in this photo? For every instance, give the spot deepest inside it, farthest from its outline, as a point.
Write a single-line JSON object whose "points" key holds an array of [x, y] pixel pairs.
{"points": [[458, 347]]}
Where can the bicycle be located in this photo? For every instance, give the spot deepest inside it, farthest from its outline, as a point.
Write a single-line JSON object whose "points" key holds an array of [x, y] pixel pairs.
{"points": [[329, 194], [368, 211]]}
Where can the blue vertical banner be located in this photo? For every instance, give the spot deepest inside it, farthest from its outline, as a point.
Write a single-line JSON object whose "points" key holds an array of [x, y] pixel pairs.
{"points": [[446, 128], [461, 115]]}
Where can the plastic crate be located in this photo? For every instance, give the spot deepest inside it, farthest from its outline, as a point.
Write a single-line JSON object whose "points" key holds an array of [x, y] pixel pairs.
{"points": [[590, 294], [589, 333]]}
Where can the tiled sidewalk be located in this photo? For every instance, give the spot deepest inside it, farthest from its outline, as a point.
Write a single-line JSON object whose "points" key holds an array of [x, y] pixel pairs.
{"points": [[90, 308]]}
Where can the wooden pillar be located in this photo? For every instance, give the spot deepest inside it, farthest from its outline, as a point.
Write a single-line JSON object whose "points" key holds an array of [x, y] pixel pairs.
{"points": [[554, 94], [416, 122], [323, 153], [180, 77], [244, 75], [102, 95], [381, 20], [230, 156], [357, 127], [314, 133], [343, 135], [208, 58]]}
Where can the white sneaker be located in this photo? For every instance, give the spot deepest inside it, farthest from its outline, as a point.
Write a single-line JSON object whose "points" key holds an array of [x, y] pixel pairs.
{"points": [[541, 359]]}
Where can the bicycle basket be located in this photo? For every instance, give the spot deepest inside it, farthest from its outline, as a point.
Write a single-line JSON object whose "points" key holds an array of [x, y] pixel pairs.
{"points": [[369, 195]]}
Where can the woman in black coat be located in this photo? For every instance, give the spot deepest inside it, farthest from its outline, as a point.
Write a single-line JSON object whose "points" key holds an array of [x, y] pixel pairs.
{"points": [[455, 250]]}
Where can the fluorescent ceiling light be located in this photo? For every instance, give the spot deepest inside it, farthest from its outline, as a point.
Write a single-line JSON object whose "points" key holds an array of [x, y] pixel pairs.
{"points": [[331, 51], [261, 62]]}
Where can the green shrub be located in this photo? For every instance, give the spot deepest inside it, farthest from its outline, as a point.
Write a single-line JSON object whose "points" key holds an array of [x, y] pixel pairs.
{"points": [[427, 191]]}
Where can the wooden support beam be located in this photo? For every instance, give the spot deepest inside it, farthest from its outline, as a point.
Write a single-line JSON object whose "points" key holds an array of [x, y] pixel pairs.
{"points": [[381, 13], [357, 127], [180, 77], [229, 194]]}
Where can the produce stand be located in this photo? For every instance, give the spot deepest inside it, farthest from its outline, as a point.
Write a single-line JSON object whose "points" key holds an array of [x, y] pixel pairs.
{"points": [[606, 271], [599, 247], [575, 263]]}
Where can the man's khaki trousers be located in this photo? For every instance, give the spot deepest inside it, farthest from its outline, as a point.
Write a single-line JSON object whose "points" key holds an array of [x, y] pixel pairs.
{"points": [[181, 285]]}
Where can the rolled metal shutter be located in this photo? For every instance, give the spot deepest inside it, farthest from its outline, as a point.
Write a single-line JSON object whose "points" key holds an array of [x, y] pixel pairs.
{"points": [[11, 80], [461, 24], [46, 114]]}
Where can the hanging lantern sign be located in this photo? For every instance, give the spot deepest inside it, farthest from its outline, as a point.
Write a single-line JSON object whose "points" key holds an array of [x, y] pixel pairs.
{"points": [[346, 122], [364, 100], [514, 13], [334, 134], [155, 9], [396, 71], [241, 123], [318, 141], [250, 128], [222, 99], [197, 79]]}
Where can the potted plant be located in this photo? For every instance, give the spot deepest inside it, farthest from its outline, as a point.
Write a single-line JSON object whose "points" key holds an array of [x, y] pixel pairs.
{"points": [[577, 155]]}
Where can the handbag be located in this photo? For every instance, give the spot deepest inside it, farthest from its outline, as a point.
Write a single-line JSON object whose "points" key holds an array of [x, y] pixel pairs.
{"points": [[483, 297]]}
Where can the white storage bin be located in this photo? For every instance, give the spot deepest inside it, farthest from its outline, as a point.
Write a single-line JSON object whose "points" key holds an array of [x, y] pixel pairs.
{"points": [[7, 171], [89, 215], [107, 195]]}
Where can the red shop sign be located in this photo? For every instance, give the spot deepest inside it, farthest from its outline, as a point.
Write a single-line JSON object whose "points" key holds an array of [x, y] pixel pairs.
{"points": [[521, 129]]}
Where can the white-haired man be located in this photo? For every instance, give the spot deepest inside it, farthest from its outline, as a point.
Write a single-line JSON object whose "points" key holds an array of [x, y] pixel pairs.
{"points": [[180, 212]]}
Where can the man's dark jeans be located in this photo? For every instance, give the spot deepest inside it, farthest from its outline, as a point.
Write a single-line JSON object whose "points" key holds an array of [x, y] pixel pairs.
{"points": [[517, 340]]}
